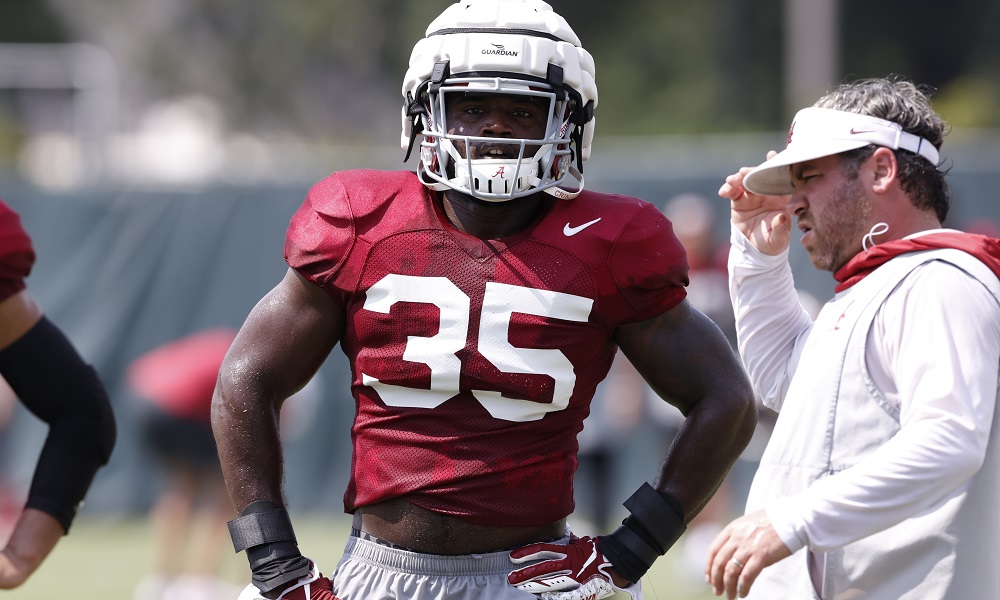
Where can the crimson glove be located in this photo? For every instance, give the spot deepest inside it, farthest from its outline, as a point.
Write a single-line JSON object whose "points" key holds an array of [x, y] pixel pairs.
{"points": [[571, 571], [308, 587]]}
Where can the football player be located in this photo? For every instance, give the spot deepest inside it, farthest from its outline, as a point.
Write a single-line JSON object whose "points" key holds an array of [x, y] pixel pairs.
{"points": [[56, 385], [479, 302]]}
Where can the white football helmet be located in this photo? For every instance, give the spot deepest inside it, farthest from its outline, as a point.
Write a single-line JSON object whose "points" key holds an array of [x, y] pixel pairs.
{"points": [[513, 47]]}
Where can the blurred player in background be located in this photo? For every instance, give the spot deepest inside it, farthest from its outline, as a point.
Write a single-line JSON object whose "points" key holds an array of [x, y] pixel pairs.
{"points": [[882, 474], [694, 222], [175, 383], [50, 378], [479, 301]]}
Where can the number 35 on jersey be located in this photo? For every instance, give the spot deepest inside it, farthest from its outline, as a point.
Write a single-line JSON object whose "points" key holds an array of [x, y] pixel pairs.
{"points": [[440, 351]]}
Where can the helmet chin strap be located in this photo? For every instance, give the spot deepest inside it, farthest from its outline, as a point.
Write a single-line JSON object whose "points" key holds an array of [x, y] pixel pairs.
{"points": [[563, 193]]}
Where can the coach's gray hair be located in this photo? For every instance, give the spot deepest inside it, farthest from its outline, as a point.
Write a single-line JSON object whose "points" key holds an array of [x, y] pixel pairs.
{"points": [[900, 101]]}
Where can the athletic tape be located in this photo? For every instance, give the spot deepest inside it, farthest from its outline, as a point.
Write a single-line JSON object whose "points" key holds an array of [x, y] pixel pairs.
{"points": [[258, 528]]}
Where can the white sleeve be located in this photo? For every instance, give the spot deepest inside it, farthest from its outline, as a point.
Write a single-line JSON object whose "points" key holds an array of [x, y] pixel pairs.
{"points": [[771, 325], [936, 345]]}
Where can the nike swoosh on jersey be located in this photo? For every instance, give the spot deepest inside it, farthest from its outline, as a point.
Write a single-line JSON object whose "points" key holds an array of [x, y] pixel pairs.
{"points": [[569, 231]]}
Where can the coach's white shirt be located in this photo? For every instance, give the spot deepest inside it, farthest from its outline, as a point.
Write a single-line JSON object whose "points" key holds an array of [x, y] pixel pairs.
{"points": [[873, 468]]}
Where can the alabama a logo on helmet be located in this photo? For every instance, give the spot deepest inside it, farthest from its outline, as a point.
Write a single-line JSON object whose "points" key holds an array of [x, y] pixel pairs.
{"points": [[500, 50], [790, 131]]}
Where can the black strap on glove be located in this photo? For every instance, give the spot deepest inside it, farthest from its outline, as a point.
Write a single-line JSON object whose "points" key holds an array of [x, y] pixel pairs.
{"points": [[656, 523], [264, 530]]}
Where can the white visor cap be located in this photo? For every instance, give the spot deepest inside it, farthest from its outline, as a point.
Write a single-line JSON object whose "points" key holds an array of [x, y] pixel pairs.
{"points": [[818, 132]]}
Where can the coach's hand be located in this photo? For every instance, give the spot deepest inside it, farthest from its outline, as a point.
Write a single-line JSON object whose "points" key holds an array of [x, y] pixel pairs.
{"points": [[740, 552], [764, 220], [571, 571], [309, 587]]}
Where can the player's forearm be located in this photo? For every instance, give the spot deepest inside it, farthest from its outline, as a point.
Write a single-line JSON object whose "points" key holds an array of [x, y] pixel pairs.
{"points": [[245, 423], [246, 433], [56, 384], [712, 437]]}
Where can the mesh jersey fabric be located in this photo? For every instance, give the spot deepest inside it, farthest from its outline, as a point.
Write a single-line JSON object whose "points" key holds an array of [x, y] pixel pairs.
{"points": [[16, 253], [474, 362]]}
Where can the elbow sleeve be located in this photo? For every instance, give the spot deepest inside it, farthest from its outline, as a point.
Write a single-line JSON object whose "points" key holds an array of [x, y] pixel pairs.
{"points": [[57, 386]]}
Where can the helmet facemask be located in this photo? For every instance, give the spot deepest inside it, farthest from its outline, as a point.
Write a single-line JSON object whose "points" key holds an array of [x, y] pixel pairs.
{"points": [[540, 163]]}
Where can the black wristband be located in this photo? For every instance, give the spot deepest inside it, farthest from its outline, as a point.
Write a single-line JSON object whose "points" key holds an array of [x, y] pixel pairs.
{"points": [[656, 518], [261, 522], [265, 531], [625, 561], [655, 524]]}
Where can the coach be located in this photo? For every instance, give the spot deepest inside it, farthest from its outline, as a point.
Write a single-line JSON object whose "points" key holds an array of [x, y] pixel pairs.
{"points": [[882, 475]]}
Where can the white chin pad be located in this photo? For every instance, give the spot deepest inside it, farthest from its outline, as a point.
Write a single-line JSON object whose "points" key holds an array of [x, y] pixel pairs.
{"points": [[501, 177]]}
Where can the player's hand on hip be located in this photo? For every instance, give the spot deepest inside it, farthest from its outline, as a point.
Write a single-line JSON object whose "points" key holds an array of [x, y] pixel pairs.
{"points": [[740, 552], [313, 586], [764, 220], [573, 571]]}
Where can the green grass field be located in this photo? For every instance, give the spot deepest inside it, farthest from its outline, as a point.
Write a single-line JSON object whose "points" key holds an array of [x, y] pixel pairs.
{"points": [[105, 559]]}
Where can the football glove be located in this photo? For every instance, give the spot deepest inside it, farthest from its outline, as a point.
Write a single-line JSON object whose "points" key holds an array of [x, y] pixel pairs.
{"points": [[308, 587], [573, 571]]}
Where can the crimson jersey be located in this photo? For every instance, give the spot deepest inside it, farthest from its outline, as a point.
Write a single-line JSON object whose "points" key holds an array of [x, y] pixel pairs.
{"points": [[16, 254], [474, 362]]}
